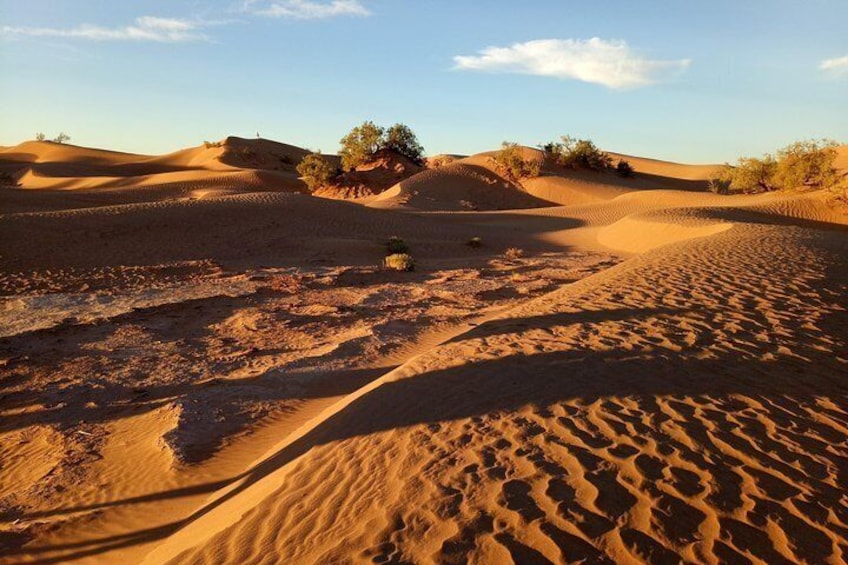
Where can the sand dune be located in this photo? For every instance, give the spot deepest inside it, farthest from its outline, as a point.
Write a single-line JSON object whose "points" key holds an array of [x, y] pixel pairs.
{"points": [[473, 183], [201, 366], [639, 414], [93, 177]]}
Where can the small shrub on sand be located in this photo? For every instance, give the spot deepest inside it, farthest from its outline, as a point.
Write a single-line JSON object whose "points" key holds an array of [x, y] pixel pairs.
{"points": [[62, 138], [316, 171], [512, 165], [40, 136], [803, 164], [474, 242], [624, 169], [578, 153], [513, 253], [396, 245], [399, 262], [211, 144], [717, 186]]}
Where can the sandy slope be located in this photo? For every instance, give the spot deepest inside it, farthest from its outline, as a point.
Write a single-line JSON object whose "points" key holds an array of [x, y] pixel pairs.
{"points": [[688, 404], [229, 379], [473, 183], [55, 176]]}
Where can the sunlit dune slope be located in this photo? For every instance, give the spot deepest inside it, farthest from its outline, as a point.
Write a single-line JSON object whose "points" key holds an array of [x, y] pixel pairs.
{"points": [[474, 183], [686, 405]]}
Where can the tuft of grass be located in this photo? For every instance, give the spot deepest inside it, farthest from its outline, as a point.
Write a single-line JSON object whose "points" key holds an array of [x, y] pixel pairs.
{"points": [[399, 262], [396, 245], [513, 253]]}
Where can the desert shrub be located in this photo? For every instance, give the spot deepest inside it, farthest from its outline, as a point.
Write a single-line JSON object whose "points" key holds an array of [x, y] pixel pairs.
{"points": [[40, 136], [211, 144], [578, 153], [316, 171], [750, 175], [402, 140], [513, 253], [803, 164], [807, 164], [62, 138], [399, 262], [396, 245], [718, 186], [361, 144], [474, 242], [624, 169], [512, 165]]}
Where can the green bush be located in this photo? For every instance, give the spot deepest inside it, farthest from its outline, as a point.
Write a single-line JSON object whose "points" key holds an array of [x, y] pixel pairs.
{"points": [[807, 164], [360, 145], [315, 171], [512, 165], [399, 262], [578, 153], [396, 245], [40, 136], [624, 169], [363, 142], [750, 175], [62, 138], [803, 164], [402, 140]]}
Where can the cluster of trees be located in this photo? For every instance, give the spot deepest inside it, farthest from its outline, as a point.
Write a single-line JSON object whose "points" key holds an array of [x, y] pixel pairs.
{"points": [[803, 164], [360, 146], [365, 141], [61, 138], [575, 153]]}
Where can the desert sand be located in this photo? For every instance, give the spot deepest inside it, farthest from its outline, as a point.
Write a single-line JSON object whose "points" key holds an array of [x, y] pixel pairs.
{"points": [[200, 363]]}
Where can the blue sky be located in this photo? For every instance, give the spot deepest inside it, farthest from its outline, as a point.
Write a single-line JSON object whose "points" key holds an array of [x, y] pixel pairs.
{"points": [[687, 81]]}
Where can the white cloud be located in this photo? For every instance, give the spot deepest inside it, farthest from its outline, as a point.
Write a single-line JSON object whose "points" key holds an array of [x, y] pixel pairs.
{"points": [[610, 63], [305, 9], [146, 28], [836, 66]]}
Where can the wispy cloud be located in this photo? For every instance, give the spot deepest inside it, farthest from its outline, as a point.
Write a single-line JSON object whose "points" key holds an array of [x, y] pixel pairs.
{"points": [[610, 63], [837, 66], [146, 28], [305, 9]]}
